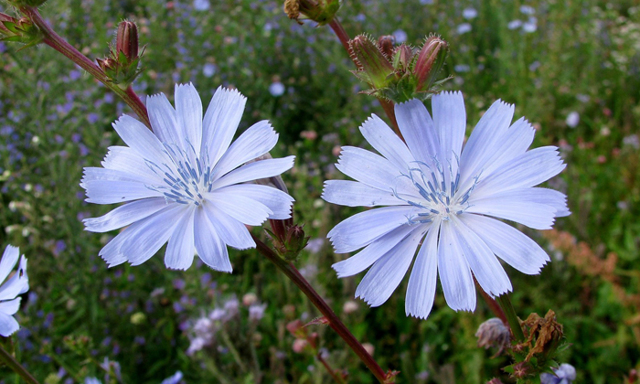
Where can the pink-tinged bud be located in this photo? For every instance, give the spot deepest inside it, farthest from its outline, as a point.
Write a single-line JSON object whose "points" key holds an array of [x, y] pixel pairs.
{"points": [[493, 333], [495, 380], [430, 61], [369, 348], [107, 64], [385, 43], [6, 18], [297, 329], [402, 58], [375, 67], [299, 345], [127, 40]]}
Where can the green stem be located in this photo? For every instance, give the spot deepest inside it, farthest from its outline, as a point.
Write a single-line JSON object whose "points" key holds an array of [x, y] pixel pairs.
{"points": [[326, 365], [233, 350], [52, 39], [512, 318], [12, 363], [334, 321]]}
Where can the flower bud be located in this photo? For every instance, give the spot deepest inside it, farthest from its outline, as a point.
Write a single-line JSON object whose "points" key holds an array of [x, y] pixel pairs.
{"points": [[385, 43], [493, 333], [5, 18], [20, 30], [375, 67], [402, 57], [430, 61], [320, 11], [121, 66], [127, 40]]}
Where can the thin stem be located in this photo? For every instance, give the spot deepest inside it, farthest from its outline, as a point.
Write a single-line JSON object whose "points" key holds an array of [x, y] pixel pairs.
{"points": [[333, 374], [12, 363], [387, 105], [52, 39], [233, 350], [512, 318], [334, 321], [341, 34]]}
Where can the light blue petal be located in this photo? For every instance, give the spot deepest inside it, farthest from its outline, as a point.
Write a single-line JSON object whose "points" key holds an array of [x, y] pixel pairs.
{"points": [[386, 274], [387, 143], [278, 202], [527, 170], [508, 243], [137, 136], [357, 194], [485, 266], [259, 139], [10, 307], [125, 215], [189, 114], [374, 251], [230, 230], [418, 130], [8, 325], [421, 290], [181, 247], [16, 284], [239, 207], [163, 120], [221, 122], [256, 170], [454, 271], [211, 249], [361, 229], [516, 206], [373, 170], [111, 192], [9, 260], [486, 139], [148, 235], [129, 162], [450, 120]]}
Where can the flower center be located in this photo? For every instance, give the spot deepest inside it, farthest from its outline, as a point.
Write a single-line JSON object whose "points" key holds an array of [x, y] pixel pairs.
{"points": [[186, 176], [439, 193]]}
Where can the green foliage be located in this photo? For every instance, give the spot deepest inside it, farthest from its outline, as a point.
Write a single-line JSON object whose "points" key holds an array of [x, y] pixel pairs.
{"points": [[54, 119]]}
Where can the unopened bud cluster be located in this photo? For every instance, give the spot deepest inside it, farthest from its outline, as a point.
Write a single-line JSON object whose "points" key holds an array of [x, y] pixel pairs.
{"points": [[320, 11], [19, 30], [288, 239], [399, 73], [121, 66]]}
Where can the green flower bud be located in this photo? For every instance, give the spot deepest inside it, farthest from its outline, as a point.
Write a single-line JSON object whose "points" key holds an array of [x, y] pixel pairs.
{"points": [[320, 11], [20, 30], [375, 67]]}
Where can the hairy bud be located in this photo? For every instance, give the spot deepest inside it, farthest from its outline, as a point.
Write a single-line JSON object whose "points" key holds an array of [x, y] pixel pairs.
{"points": [[320, 11], [430, 61]]}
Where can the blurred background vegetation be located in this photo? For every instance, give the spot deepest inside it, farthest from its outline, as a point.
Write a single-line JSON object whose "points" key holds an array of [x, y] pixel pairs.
{"points": [[571, 67]]}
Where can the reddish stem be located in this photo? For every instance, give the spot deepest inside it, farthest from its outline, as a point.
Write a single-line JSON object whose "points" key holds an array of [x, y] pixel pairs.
{"points": [[52, 39], [334, 321], [492, 303]]}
